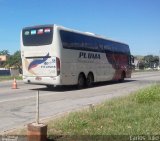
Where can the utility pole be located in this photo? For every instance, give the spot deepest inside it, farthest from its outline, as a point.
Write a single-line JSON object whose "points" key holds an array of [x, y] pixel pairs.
{"points": [[37, 108], [159, 59], [37, 131]]}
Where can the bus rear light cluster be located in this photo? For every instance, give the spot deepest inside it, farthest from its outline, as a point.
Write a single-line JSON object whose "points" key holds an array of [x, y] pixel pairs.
{"points": [[58, 65]]}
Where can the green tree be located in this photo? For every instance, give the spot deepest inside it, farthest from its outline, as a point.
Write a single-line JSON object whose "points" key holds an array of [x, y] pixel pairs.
{"points": [[14, 60], [151, 61], [4, 52], [141, 64], [156, 60]]}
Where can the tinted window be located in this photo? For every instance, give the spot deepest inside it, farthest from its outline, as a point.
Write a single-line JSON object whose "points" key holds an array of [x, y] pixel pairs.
{"points": [[108, 46], [37, 36], [91, 43], [121, 48], [71, 40]]}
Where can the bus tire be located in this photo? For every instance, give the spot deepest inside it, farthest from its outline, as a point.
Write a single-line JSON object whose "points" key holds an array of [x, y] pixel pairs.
{"points": [[122, 77], [81, 81], [90, 80], [50, 86]]}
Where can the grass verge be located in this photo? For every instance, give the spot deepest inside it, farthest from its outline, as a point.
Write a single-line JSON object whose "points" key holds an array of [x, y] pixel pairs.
{"points": [[137, 114], [5, 78]]}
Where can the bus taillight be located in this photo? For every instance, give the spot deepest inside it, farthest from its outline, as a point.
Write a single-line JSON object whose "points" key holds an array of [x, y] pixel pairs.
{"points": [[58, 65]]}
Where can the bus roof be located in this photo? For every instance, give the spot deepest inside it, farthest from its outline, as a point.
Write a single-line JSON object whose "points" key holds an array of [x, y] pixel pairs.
{"points": [[75, 31], [36, 26]]}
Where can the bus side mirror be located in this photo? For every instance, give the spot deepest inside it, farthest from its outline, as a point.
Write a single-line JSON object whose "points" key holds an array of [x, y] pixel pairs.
{"points": [[132, 59]]}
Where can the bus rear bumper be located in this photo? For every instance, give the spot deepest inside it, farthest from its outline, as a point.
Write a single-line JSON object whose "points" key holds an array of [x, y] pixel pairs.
{"points": [[42, 80]]}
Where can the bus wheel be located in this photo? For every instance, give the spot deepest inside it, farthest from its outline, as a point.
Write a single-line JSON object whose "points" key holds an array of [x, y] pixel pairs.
{"points": [[90, 80], [50, 86], [81, 81], [122, 77]]}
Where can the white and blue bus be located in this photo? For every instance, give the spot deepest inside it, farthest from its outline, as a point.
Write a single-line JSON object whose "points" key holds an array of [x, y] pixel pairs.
{"points": [[54, 55]]}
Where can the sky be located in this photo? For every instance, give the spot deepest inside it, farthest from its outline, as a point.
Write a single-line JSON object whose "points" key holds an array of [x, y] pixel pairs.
{"points": [[135, 22]]}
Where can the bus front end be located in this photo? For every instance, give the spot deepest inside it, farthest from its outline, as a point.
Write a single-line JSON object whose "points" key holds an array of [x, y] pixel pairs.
{"points": [[40, 60]]}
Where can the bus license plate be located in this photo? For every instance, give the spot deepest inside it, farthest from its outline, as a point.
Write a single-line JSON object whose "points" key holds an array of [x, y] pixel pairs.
{"points": [[38, 78]]}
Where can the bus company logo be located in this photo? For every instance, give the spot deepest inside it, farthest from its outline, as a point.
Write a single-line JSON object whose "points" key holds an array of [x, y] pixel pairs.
{"points": [[50, 62], [35, 63], [89, 55]]}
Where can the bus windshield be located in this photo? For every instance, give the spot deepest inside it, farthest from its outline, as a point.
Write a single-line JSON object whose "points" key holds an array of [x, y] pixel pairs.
{"points": [[37, 36]]}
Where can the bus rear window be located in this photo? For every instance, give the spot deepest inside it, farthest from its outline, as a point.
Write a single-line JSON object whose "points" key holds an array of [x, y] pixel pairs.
{"points": [[37, 36]]}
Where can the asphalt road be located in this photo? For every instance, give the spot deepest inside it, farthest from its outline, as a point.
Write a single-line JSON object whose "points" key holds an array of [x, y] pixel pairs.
{"points": [[17, 106]]}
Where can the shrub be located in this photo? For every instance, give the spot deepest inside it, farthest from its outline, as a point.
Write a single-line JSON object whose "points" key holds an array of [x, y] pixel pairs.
{"points": [[148, 95]]}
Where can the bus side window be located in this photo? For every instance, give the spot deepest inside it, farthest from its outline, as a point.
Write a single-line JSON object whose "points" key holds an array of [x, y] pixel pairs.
{"points": [[100, 45]]}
